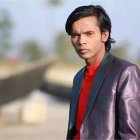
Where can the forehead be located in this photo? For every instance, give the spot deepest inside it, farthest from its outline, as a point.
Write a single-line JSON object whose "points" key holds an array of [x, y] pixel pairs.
{"points": [[86, 23]]}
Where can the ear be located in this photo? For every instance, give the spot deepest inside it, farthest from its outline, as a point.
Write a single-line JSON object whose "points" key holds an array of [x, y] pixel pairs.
{"points": [[105, 36]]}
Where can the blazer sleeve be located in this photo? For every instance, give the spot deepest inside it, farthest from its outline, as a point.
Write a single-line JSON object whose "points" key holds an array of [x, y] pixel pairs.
{"points": [[128, 104]]}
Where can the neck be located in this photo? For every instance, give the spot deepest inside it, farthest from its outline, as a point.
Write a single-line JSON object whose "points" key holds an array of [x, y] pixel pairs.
{"points": [[95, 59]]}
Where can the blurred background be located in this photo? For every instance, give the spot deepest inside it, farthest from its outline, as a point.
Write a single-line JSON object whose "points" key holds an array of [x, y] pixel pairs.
{"points": [[38, 62]]}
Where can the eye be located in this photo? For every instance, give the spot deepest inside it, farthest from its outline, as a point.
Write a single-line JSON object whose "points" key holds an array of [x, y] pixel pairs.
{"points": [[74, 35], [89, 33]]}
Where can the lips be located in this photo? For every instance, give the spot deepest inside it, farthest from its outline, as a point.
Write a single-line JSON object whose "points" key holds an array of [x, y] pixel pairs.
{"points": [[82, 51]]}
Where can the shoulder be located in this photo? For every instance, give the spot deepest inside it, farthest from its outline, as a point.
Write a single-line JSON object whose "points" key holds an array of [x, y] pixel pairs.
{"points": [[124, 65], [127, 78], [129, 75], [121, 62]]}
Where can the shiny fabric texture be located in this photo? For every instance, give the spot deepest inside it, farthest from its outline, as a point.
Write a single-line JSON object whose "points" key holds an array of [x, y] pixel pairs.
{"points": [[113, 111]]}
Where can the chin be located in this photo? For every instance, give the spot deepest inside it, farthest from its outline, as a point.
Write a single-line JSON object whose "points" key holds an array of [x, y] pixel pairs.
{"points": [[84, 57]]}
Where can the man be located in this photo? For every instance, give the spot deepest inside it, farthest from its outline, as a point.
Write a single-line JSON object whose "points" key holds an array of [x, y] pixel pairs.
{"points": [[105, 100]]}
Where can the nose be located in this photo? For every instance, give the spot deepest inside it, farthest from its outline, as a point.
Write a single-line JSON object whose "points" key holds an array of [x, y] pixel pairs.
{"points": [[81, 40]]}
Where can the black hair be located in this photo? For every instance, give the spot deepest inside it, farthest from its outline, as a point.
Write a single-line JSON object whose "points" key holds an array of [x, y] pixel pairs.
{"points": [[103, 19]]}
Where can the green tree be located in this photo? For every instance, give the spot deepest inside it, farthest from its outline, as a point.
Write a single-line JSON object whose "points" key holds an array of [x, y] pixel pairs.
{"points": [[137, 61], [31, 51], [54, 2], [5, 32], [121, 50]]}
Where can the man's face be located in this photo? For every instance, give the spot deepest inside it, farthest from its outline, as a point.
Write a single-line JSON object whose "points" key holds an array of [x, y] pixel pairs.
{"points": [[88, 40]]}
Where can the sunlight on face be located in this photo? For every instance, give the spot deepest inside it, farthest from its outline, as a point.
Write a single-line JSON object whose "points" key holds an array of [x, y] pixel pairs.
{"points": [[88, 40]]}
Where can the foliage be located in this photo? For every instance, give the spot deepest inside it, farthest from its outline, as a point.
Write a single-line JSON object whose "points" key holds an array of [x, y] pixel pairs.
{"points": [[5, 32], [54, 2], [137, 61], [121, 50], [31, 51]]}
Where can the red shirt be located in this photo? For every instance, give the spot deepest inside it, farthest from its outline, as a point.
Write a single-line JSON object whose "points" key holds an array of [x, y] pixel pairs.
{"points": [[84, 96]]}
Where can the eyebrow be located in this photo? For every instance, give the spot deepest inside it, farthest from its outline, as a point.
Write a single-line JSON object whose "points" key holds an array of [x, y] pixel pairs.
{"points": [[76, 33]]}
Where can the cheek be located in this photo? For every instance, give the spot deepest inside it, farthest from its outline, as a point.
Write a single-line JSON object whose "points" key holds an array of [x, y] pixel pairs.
{"points": [[73, 41]]}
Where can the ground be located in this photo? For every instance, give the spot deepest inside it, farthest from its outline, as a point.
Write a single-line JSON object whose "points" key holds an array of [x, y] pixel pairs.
{"points": [[55, 127]]}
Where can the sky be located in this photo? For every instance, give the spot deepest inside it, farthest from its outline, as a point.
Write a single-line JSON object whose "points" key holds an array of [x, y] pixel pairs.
{"points": [[37, 19]]}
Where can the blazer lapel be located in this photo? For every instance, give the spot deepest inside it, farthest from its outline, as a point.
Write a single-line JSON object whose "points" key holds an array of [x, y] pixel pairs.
{"points": [[100, 76], [75, 96]]}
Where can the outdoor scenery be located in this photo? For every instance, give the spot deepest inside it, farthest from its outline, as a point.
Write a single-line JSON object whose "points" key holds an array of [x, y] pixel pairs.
{"points": [[38, 62]]}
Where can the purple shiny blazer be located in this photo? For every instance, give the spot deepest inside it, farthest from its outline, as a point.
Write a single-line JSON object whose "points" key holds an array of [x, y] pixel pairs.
{"points": [[113, 110]]}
